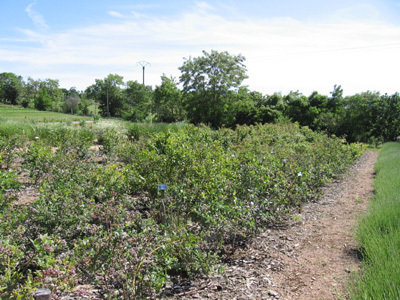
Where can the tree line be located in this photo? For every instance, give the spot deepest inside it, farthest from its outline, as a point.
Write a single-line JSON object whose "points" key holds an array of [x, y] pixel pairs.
{"points": [[210, 90]]}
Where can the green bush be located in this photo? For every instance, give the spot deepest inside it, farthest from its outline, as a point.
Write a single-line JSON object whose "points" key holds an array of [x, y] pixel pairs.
{"points": [[106, 224]]}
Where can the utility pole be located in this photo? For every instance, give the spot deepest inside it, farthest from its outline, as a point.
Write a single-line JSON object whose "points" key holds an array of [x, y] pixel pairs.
{"points": [[108, 109], [143, 64]]}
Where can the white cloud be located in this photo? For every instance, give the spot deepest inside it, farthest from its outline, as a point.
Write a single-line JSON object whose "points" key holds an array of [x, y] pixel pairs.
{"points": [[282, 54], [203, 6], [116, 14], [36, 17], [361, 11]]}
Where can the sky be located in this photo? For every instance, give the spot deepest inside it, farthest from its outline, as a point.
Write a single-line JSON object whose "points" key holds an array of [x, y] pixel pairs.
{"points": [[289, 45]]}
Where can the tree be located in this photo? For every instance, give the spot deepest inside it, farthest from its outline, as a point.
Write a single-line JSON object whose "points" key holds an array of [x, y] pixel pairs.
{"points": [[297, 108], [138, 101], [10, 88], [72, 100], [208, 82], [318, 107], [271, 108], [386, 118], [108, 93], [29, 92], [168, 101], [336, 101], [244, 107], [84, 104], [359, 115], [43, 100], [49, 96]]}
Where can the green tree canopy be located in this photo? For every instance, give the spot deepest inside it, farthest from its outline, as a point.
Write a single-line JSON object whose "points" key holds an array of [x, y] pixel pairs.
{"points": [[108, 93], [29, 92], [168, 101], [72, 100], [43, 100], [208, 82], [49, 96], [138, 101], [10, 88]]}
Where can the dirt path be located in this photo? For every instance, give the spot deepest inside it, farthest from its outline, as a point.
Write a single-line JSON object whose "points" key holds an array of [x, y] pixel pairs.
{"points": [[309, 258]]}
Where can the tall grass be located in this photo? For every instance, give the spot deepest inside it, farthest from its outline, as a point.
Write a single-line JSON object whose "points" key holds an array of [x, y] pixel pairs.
{"points": [[379, 233], [56, 133], [16, 128]]}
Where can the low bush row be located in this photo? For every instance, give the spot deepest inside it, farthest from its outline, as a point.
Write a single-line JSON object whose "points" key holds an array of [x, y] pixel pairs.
{"points": [[101, 219]]}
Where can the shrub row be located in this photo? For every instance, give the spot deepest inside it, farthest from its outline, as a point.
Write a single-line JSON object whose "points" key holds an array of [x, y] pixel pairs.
{"points": [[108, 225]]}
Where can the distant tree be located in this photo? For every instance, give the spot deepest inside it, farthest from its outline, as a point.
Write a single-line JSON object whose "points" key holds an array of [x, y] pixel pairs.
{"points": [[386, 118], [272, 108], [29, 92], [318, 106], [336, 100], [10, 88], [43, 100], [330, 112], [85, 104], [244, 108], [108, 93], [49, 96], [168, 101], [72, 100], [138, 101], [208, 82], [297, 108], [359, 115]]}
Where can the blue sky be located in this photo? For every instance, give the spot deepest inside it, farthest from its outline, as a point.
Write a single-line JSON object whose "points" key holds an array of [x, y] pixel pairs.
{"points": [[288, 44]]}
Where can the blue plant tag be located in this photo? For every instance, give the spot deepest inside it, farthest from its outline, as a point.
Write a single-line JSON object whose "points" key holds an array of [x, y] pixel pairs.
{"points": [[162, 187]]}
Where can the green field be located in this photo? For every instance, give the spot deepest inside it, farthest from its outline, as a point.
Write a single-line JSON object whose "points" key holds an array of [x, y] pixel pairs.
{"points": [[13, 113], [379, 233]]}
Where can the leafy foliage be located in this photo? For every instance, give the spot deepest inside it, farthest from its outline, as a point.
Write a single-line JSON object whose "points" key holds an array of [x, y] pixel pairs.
{"points": [[168, 101], [208, 81], [10, 88], [108, 93], [103, 222]]}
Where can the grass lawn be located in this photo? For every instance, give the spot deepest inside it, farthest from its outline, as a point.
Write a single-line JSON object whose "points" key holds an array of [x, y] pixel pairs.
{"points": [[379, 233], [13, 113]]}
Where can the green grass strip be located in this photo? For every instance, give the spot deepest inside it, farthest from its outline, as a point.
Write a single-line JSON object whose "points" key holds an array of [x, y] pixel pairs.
{"points": [[379, 233], [14, 113]]}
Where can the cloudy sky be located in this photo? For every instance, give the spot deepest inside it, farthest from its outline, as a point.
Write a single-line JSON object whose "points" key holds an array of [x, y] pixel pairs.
{"points": [[303, 45]]}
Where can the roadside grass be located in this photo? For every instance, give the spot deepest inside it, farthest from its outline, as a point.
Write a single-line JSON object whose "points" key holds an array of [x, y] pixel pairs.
{"points": [[378, 233], [14, 113]]}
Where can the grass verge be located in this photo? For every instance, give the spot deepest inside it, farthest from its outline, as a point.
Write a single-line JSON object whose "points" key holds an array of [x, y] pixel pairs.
{"points": [[379, 233], [13, 113]]}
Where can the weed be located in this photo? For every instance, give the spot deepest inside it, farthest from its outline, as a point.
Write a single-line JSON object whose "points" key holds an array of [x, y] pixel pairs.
{"points": [[297, 217]]}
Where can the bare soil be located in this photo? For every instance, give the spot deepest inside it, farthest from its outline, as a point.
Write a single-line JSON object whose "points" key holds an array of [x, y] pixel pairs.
{"points": [[310, 256]]}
